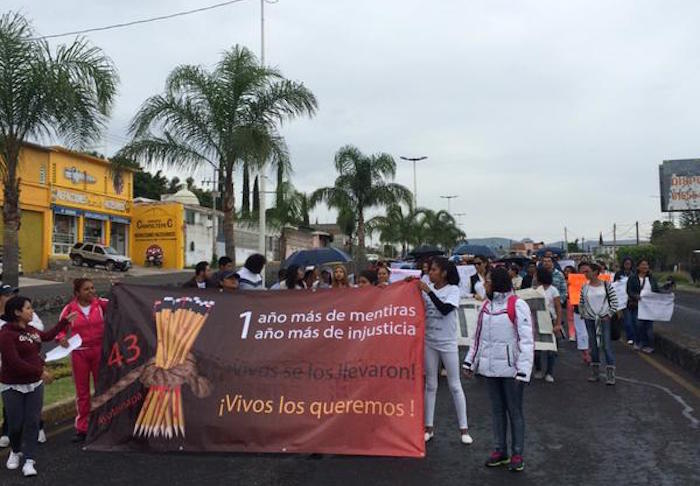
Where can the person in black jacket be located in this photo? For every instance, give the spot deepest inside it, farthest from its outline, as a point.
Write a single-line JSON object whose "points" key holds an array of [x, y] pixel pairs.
{"points": [[638, 285], [202, 277], [625, 273], [530, 278]]}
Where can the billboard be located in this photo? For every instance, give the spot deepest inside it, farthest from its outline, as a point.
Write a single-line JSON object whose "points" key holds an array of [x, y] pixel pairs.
{"points": [[679, 181]]}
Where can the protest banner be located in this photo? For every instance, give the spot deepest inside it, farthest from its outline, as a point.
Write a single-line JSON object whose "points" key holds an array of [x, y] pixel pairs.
{"points": [[576, 281], [542, 321], [465, 272], [656, 307], [566, 263], [336, 371]]}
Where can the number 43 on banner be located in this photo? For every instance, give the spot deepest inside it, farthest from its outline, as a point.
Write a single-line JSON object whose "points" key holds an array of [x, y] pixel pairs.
{"points": [[132, 351]]}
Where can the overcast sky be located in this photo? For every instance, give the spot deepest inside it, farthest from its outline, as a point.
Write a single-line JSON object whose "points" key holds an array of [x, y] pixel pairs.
{"points": [[537, 114]]}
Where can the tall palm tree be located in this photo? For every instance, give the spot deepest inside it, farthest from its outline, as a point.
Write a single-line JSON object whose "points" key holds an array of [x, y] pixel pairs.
{"points": [[221, 118], [362, 183], [397, 226], [66, 93]]}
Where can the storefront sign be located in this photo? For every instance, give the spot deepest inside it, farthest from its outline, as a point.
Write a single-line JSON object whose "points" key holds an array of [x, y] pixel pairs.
{"points": [[101, 217], [69, 196], [114, 205], [161, 228], [77, 176], [117, 219], [337, 371], [66, 211]]}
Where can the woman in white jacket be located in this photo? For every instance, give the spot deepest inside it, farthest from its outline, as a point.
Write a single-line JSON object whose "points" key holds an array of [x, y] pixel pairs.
{"points": [[503, 353]]}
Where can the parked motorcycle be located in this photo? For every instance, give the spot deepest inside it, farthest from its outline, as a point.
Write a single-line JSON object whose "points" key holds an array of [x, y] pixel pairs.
{"points": [[154, 256]]}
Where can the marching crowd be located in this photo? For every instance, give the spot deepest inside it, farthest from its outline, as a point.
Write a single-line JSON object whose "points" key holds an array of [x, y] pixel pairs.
{"points": [[503, 351]]}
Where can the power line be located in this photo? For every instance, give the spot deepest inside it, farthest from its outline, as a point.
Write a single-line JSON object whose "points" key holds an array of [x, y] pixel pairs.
{"points": [[141, 21]]}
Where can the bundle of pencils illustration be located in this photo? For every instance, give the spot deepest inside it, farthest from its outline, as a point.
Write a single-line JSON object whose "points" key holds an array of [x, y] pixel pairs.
{"points": [[178, 323]]}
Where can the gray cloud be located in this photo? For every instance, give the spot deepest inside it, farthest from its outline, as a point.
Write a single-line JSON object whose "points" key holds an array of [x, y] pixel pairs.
{"points": [[539, 114]]}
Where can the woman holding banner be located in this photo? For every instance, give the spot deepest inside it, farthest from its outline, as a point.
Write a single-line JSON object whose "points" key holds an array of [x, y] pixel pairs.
{"points": [[383, 276], [503, 353], [638, 285], [85, 360], [597, 305], [441, 298]]}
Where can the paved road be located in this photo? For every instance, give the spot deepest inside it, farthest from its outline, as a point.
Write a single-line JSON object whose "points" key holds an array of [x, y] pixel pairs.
{"points": [[686, 315], [645, 430]]}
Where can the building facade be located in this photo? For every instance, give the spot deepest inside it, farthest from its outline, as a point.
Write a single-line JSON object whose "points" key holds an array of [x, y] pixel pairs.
{"points": [[67, 197]]}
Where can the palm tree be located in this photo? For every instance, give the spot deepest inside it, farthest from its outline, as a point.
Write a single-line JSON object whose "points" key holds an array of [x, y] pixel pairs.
{"points": [[397, 227], [438, 228], [220, 118], [361, 184], [66, 93]]}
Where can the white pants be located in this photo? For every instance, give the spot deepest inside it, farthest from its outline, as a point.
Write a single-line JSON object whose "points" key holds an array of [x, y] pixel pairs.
{"points": [[432, 368], [581, 333]]}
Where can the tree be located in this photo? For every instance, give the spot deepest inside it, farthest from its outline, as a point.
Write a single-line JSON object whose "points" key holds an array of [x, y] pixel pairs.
{"points": [[658, 228], [256, 197], [67, 93], [572, 247], [245, 196], [362, 183], [438, 228], [397, 227], [174, 185], [690, 219], [222, 117]]}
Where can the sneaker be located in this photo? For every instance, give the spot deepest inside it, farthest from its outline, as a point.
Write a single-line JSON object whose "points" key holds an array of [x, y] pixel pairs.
{"points": [[539, 375], [28, 469], [467, 439], [428, 435], [4, 441], [548, 378], [79, 437], [497, 458], [647, 350], [14, 460], [517, 463], [42, 437], [630, 342]]}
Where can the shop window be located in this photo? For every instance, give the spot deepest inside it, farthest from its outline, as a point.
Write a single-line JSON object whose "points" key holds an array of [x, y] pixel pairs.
{"points": [[93, 230], [65, 232], [118, 237], [42, 174]]}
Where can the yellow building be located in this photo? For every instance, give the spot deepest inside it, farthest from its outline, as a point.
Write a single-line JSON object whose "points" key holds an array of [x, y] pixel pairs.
{"points": [[162, 224], [67, 197]]}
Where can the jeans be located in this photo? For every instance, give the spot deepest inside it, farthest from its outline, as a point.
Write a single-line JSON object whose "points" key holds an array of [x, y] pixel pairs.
{"points": [[5, 428], [630, 321], [607, 342], [550, 356], [24, 413], [507, 403], [451, 362], [644, 333]]}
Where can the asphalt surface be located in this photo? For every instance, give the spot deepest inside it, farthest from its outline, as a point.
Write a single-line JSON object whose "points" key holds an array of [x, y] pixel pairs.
{"points": [[686, 315], [645, 430]]}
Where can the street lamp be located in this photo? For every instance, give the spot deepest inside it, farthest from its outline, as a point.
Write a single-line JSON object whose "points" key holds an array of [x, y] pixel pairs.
{"points": [[449, 199], [415, 189]]}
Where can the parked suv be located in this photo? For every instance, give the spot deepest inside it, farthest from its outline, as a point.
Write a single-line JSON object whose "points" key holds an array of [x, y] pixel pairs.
{"points": [[94, 254]]}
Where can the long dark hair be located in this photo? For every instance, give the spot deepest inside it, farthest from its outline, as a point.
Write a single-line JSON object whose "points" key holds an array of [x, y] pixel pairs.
{"points": [[292, 279], [15, 304], [449, 268]]}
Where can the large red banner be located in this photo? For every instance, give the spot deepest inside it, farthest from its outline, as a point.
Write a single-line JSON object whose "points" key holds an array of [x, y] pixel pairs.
{"points": [[329, 371]]}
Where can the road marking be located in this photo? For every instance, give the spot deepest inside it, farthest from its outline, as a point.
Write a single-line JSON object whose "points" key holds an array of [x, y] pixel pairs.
{"points": [[671, 374]]}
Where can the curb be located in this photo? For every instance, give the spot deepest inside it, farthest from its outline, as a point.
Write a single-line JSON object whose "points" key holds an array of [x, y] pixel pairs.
{"points": [[681, 349], [59, 411]]}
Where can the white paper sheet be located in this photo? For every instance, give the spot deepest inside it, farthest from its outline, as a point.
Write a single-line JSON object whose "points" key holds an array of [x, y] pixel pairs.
{"points": [[399, 274], [59, 352], [656, 307], [620, 288]]}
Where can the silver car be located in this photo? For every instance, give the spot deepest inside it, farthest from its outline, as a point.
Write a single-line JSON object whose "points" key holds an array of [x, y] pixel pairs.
{"points": [[93, 254]]}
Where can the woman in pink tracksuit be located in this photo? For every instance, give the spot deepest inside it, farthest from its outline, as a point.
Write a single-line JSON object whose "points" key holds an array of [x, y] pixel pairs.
{"points": [[86, 359]]}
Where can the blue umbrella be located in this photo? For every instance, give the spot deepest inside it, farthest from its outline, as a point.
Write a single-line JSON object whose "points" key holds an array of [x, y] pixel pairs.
{"points": [[316, 256], [554, 249], [467, 249]]}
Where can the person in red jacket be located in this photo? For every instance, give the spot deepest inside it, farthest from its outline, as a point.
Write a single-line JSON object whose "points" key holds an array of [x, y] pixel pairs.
{"points": [[22, 378], [89, 324]]}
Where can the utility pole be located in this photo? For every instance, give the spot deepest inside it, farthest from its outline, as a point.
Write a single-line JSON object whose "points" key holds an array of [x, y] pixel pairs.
{"points": [[262, 223], [415, 187], [449, 199], [583, 243], [636, 225], [614, 241], [566, 239]]}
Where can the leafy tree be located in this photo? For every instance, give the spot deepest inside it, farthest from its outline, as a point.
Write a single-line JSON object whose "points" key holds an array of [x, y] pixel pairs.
{"points": [[658, 228], [67, 92], [245, 196], [174, 185], [397, 227], [362, 183], [690, 219], [256, 197], [222, 117], [438, 228], [572, 247]]}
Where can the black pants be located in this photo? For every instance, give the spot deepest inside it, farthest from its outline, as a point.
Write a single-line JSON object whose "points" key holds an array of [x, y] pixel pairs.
{"points": [[23, 416], [4, 429]]}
